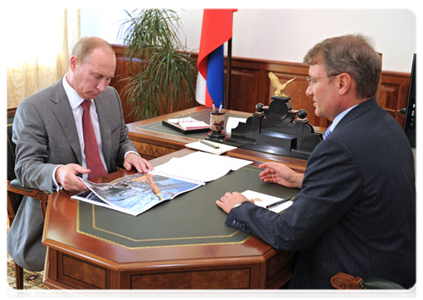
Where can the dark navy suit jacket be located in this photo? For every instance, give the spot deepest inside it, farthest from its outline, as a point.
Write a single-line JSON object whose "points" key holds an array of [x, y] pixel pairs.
{"points": [[356, 212]]}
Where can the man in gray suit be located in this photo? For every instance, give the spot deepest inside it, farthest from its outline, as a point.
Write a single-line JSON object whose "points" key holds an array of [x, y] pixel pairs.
{"points": [[356, 211], [50, 147]]}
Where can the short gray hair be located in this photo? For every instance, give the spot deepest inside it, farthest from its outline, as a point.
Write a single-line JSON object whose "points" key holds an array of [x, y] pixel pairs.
{"points": [[352, 54]]}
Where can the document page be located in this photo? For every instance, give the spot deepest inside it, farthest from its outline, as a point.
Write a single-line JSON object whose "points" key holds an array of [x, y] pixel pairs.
{"points": [[218, 149], [202, 166], [272, 203], [189, 123]]}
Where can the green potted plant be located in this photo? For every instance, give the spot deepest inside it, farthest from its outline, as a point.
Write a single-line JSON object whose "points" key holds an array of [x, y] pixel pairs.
{"points": [[166, 79]]}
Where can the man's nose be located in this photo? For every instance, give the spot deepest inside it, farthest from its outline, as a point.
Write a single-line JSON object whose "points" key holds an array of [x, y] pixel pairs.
{"points": [[309, 91], [102, 85]]}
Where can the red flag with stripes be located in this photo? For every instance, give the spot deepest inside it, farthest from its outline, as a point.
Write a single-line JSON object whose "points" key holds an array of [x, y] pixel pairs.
{"points": [[216, 30]]}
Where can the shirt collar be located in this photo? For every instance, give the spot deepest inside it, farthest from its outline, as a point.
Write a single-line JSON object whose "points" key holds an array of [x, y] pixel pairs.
{"points": [[339, 117], [74, 99]]}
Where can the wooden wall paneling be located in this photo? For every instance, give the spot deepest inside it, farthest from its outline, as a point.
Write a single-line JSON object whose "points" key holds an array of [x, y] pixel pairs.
{"points": [[123, 71], [242, 88], [394, 93], [250, 85], [247, 86]]}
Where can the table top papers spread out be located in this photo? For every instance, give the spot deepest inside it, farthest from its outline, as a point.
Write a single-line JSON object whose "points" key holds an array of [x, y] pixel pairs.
{"points": [[137, 193], [202, 166]]}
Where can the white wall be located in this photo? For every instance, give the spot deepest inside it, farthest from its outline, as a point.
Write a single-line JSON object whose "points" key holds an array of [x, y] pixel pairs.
{"points": [[286, 34]]}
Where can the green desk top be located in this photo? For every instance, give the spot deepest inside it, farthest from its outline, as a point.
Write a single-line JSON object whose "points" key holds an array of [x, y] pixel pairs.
{"points": [[190, 219]]}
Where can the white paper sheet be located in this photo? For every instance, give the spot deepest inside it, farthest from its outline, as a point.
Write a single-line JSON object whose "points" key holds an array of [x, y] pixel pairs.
{"points": [[200, 146], [201, 166], [264, 200]]}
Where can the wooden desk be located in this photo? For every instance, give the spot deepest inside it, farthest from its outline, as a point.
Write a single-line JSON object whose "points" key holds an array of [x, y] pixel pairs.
{"points": [[152, 141], [78, 260]]}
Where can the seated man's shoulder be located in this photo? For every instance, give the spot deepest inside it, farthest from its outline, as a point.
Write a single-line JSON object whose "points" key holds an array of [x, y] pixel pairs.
{"points": [[41, 98]]}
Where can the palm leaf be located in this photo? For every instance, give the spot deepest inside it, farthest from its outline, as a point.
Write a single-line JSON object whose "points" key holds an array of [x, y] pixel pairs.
{"points": [[166, 79]]}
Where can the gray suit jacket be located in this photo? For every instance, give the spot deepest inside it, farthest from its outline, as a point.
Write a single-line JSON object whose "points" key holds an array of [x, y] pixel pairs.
{"points": [[356, 212], [45, 135]]}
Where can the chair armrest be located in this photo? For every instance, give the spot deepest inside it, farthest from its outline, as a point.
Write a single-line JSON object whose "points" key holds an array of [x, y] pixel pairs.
{"points": [[16, 187], [346, 281]]}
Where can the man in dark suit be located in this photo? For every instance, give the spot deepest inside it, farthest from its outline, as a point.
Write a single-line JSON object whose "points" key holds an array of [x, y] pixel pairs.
{"points": [[48, 131], [355, 212]]}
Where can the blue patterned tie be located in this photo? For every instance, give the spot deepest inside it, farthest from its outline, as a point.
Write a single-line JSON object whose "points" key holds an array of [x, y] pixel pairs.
{"points": [[327, 133]]}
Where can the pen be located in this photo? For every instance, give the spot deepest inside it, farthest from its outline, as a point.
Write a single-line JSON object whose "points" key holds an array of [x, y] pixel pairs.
{"points": [[220, 108], [279, 202], [209, 144]]}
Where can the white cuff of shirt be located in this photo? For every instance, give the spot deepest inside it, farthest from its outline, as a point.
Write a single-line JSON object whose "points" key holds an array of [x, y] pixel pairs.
{"points": [[131, 152], [56, 186]]}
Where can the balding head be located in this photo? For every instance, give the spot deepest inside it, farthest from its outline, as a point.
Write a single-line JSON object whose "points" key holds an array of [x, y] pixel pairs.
{"points": [[85, 46]]}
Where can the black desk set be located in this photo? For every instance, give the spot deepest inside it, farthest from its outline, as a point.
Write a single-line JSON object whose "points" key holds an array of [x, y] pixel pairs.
{"points": [[272, 129]]}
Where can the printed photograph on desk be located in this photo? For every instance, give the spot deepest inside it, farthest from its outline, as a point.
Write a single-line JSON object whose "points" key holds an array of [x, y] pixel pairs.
{"points": [[136, 193]]}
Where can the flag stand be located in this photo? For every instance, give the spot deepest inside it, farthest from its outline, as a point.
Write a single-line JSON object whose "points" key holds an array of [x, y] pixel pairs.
{"points": [[228, 76]]}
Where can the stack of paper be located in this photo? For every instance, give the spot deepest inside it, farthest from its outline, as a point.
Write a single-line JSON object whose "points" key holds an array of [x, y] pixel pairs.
{"points": [[189, 123], [211, 147]]}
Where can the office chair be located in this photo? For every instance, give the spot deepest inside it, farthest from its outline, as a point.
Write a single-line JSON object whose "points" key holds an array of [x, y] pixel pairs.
{"points": [[15, 192], [346, 281]]}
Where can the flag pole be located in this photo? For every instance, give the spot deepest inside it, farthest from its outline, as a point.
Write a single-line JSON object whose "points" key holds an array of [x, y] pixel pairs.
{"points": [[228, 75]]}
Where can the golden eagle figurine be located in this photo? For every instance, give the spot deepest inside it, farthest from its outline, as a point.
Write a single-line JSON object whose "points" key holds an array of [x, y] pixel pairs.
{"points": [[278, 85]]}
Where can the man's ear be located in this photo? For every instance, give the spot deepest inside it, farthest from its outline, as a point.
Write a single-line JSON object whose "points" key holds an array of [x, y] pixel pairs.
{"points": [[344, 83], [73, 61]]}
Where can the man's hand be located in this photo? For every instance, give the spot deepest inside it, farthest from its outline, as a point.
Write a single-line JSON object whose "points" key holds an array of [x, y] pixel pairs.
{"points": [[66, 177], [136, 161], [281, 174], [228, 201]]}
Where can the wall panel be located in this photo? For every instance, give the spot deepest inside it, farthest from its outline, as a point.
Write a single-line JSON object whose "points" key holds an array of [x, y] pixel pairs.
{"points": [[250, 85]]}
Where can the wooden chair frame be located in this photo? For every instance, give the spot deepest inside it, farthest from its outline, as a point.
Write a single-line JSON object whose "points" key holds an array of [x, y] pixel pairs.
{"points": [[345, 281]]}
